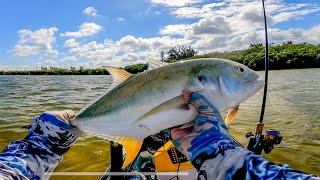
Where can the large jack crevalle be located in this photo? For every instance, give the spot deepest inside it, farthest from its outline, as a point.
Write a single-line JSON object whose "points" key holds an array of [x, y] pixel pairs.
{"points": [[137, 106]]}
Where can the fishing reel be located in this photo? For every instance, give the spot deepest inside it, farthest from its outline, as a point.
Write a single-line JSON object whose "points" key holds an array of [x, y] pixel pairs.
{"points": [[261, 142]]}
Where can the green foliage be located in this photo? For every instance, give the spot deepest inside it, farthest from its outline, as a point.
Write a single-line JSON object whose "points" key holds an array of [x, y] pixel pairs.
{"points": [[285, 56], [179, 52], [136, 68], [58, 72], [232, 55]]}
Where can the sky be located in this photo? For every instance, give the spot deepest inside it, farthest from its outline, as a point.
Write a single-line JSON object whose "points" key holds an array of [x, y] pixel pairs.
{"points": [[95, 33]]}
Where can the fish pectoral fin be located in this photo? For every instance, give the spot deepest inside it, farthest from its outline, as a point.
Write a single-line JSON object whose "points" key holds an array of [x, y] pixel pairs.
{"points": [[187, 125], [174, 103], [132, 147], [232, 112], [118, 75]]}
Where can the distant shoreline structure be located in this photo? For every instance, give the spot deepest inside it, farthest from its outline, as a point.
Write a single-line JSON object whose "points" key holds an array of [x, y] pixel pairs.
{"points": [[283, 56], [58, 72], [132, 69]]}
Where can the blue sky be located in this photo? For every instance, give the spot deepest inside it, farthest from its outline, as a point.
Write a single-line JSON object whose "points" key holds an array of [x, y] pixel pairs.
{"points": [[122, 32]]}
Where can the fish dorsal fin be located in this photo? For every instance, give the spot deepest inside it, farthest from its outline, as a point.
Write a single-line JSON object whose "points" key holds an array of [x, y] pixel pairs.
{"points": [[231, 114], [153, 64], [118, 75]]}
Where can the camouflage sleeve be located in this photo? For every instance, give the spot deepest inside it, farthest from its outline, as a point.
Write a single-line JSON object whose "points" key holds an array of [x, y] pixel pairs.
{"points": [[39, 153], [211, 149], [240, 163]]}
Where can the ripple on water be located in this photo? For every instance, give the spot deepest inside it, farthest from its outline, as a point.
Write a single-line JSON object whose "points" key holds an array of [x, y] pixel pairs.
{"points": [[292, 107]]}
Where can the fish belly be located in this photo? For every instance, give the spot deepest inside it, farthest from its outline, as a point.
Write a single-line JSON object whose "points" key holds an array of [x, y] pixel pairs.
{"points": [[113, 125]]}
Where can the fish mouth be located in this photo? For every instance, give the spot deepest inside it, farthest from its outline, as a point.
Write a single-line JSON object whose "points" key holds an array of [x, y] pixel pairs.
{"points": [[256, 83], [256, 78]]}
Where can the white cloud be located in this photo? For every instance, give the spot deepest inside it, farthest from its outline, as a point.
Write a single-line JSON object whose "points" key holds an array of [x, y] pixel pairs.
{"points": [[36, 42], [127, 50], [177, 29], [212, 44], [175, 3], [86, 29], [204, 27], [130, 49], [120, 19], [49, 62], [253, 15], [90, 11], [277, 36], [69, 58], [235, 24], [286, 16], [25, 50], [220, 26], [71, 43], [247, 13], [244, 40], [87, 47], [4, 67], [215, 25]]}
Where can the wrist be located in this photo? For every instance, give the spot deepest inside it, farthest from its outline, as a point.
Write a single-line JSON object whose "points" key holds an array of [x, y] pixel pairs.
{"points": [[210, 152], [57, 134]]}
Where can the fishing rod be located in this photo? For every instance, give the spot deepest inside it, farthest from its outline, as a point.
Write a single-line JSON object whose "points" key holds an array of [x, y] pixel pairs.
{"points": [[264, 142], [256, 144], [263, 107]]}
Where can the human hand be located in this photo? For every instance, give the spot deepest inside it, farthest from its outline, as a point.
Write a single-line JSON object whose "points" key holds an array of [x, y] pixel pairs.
{"points": [[65, 115], [55, 129], [208, 135]]}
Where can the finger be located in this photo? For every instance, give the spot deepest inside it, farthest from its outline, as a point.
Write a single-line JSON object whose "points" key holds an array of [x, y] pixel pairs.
{"points": [[186, 95], [177, 133], [67, 114]]}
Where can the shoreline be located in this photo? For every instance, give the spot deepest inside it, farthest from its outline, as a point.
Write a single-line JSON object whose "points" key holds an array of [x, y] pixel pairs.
{"points": [[104, 72]]}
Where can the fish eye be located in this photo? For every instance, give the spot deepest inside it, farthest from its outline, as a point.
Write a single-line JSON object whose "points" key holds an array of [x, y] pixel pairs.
{"points": [[241, 70], [200, 78]]}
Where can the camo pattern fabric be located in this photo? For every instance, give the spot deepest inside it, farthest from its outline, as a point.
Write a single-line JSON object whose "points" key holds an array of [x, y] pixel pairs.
{"points": [[231, 161], [39, 153], [209, 127]]}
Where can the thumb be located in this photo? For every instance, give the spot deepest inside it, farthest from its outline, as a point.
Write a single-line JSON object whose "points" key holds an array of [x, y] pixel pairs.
{"points": [[66, 115]]}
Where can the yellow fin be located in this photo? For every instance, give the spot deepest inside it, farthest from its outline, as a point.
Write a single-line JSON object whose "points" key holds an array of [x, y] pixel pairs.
{"points": [[132, 147], [118, 75], [231, 115]]}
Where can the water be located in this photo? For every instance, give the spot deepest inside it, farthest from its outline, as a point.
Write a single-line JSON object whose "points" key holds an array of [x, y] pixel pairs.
{"points": [[292, 107]]}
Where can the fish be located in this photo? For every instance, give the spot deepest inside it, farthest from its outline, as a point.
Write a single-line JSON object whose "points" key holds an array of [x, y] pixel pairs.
{"points": [[137, 106]]}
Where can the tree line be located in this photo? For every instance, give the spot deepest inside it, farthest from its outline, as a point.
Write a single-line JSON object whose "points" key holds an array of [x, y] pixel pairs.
{"points": [[98, 71], [284, 56]]}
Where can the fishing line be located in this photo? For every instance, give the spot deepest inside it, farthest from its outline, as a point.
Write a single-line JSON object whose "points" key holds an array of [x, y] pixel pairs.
{"points": [[255, 57], [266, 65]]}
